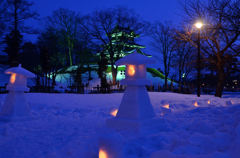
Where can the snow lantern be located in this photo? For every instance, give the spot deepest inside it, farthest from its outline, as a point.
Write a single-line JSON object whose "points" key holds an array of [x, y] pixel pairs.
{"points": [[15, 105], [111, 144], [135, 107]]}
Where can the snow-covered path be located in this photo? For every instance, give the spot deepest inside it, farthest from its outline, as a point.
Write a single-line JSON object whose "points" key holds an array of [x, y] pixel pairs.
{"points": [[68, 125]]}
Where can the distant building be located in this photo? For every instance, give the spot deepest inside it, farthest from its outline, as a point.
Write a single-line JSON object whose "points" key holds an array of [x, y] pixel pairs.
{"points": [[123, 43]]}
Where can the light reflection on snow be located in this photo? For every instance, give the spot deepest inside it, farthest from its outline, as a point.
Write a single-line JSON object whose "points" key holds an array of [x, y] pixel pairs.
{"points": [[196, 104], [166, 106], [114, 112], [102, 154], [161, 114]]}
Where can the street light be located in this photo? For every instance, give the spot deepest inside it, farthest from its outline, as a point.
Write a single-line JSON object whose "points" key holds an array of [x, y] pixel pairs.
{"points": [[198, 25]]}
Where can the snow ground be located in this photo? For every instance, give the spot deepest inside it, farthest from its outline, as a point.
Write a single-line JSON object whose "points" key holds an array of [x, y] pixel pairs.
{"points": [[70, 125]]}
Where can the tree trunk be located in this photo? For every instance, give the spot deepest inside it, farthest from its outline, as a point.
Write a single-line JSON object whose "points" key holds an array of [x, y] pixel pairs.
{"points": [[14, 54], [89, 73], [70, 46], [220, 82], [70, 56], [180, 86], [172, 89], [78, 79], [166, 84], [54, 80], [180, 82]]}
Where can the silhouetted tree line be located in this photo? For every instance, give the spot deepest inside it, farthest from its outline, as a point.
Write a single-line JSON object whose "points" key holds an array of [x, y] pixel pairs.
{"points": [[70, 43], [219, 38]]}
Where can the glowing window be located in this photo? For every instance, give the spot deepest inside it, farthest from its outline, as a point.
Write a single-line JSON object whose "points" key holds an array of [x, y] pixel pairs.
{"points": [[13, 78], [131, 70]]}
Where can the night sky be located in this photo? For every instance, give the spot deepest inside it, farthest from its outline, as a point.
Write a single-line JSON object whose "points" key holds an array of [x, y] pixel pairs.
{"points": [[150, 10]]}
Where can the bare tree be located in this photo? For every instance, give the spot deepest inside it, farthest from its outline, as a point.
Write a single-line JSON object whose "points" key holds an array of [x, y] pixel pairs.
{"points": [[18, 12], [100, 25], [3, 25], [3, 11], [220, 35], [183, 57], [67, 23], [52, 60], [163, 42]]}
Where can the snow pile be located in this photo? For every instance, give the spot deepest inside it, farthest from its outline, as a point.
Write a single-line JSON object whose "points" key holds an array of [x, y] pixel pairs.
{"points": [[72, 125]]}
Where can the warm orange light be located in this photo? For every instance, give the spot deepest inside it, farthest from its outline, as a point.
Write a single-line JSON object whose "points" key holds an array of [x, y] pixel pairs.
{"points": [[114, 112], [13, 78], [131, 70], [209, 102], [166, 106], [196, 104], [102, 154], [198, 25]]}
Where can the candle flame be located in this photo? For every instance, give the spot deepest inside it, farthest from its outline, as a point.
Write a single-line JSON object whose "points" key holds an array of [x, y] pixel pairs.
{"points": [[196, 104], [114, 112], [166, 106], [209, 102], [13, 78], [131, 70], [102, 154]]}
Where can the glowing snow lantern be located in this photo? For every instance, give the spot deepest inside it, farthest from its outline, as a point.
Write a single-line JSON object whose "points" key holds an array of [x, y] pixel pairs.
{"points": [[135, 107], [166, 106], [114, 112], [15, 105], [110, 145], [102, 154], [209, 102], [196, 104]]}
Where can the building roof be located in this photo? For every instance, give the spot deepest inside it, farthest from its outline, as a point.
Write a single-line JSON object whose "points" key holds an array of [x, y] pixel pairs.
{"points": [[135, 59], [20, 70]]}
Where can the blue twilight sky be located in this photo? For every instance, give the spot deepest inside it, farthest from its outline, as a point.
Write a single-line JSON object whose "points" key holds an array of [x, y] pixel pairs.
{"points": [[150, 10]]}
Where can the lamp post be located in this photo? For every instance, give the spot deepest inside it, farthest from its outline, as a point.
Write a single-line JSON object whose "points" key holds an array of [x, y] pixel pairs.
{"points": [[198, 25]]}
